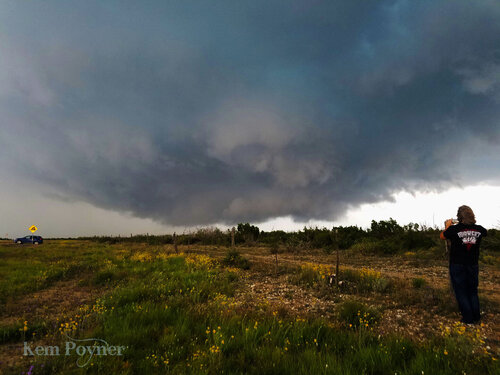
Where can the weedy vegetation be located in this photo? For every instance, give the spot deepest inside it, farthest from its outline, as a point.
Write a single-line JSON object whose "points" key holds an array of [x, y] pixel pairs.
{"points": [[185, 313]]}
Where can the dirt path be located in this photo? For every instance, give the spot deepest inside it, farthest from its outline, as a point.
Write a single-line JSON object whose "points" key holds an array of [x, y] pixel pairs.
{"points": [[52, 304]]}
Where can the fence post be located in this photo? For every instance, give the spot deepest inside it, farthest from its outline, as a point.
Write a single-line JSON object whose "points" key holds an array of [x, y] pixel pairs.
{"points": [[338, 259], [175, 243], [232, 237]]}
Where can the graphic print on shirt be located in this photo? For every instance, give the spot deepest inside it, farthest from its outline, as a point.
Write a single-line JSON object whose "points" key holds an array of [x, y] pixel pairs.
{"points": [[469, 237]]}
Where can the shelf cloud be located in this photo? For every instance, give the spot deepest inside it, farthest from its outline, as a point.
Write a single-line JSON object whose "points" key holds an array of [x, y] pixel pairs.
{"points": [[193, 113]]}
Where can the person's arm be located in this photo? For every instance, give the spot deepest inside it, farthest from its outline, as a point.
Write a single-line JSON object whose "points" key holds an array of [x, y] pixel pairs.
{"points": [[447, 224]]}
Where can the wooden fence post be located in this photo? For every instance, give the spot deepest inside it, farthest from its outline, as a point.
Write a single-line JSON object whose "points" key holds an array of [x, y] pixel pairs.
{"points": [[337, 275], [175, 243], [232, 237]]}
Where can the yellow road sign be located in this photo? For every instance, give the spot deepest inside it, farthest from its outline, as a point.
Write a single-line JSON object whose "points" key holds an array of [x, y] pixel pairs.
{"points": [[33, 229]]}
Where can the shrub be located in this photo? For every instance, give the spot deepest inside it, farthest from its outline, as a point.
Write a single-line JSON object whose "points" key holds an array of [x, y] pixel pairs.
{"points": [[348, 236], [375, 246], [276, 236], [235, 259], [247, 233], [412, 240], [385, 228], [492, 240], [206, 236], [322, 239], [366, 246]]}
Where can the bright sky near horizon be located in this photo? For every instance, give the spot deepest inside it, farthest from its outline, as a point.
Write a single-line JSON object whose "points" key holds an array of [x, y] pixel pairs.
{"points": [[55, 218], [429, 209], [122, 117]]}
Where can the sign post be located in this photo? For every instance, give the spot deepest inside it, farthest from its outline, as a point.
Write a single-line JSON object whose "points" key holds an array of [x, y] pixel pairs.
{"points": [[33, 229]]}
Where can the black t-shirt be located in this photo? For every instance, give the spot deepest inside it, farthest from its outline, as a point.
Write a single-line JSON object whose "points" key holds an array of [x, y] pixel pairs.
{"points": [[465, 241]]}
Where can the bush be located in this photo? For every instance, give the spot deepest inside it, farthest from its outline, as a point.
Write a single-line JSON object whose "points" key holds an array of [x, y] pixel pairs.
{"points": [[374, 246], [412, 240], [385, 228], [206, 236], [276, 236], [246, 233], [322, 239], [233, 258], [491, 241], [348, 236]]}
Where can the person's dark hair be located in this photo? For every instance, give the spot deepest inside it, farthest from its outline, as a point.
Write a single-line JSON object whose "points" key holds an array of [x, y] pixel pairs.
{"points": [[465, 215]]}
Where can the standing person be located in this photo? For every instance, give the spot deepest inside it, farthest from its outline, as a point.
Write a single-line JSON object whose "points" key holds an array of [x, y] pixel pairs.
{"points": [[465, 238]]}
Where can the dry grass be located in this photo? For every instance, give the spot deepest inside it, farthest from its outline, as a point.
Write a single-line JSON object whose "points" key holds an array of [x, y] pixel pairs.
{"points": [[300, 290]]}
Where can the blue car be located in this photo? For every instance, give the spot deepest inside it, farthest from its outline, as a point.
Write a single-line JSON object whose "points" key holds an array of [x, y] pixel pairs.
{"points": [[29, 239]]}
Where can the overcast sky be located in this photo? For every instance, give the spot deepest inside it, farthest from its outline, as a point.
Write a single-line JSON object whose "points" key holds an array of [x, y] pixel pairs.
{"points": [[152, 116]]}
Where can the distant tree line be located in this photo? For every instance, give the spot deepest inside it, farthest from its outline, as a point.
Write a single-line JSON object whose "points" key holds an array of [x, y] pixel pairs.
{"points": [[384, 237]]}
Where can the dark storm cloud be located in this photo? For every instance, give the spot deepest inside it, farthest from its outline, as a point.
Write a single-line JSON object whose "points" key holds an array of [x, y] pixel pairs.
{"points": [[194, 113]]}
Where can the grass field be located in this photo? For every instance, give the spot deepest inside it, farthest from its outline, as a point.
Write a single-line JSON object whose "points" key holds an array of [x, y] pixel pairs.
{"points": [[204, 312]]}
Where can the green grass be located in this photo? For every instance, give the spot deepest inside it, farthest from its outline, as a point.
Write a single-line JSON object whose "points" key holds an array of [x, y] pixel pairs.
{"points": [[418, 282], [365, 281], [25, 269], [356, 314], [178, 315]]}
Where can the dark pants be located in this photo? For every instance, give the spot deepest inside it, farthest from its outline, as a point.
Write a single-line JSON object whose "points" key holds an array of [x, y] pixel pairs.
{"points": [[464, 279]]}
